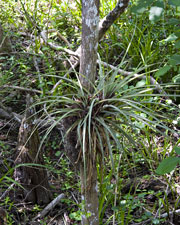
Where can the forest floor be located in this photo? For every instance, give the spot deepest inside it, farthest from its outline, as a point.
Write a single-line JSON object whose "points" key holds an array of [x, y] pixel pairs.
{"points": [[143, 196], [146, 190]]}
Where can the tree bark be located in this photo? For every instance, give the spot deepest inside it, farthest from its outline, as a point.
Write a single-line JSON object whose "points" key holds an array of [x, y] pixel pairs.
{"points": [[92, 32], [108, 20], [105, 24], [89, 196], [90, 25], [33, 179], [89, 44]]}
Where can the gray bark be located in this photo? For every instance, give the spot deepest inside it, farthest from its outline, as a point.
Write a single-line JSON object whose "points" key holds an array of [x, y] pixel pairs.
{"points": [[89, 195], [105, 24], [108, 20], [90, 24], [91, 34], [90, 27]]}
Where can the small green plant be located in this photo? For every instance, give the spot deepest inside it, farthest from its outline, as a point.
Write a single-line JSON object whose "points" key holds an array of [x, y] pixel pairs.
{"points": [[3, 146], [8, 204], [36, 208], [76, 215]]}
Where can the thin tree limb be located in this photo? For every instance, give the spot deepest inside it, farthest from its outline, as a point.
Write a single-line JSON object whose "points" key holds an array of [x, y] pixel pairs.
{"points": [[63, 38], [108, 20], [104, 25], [56, 47], [21, 88], [50, 206], [139, 76]]}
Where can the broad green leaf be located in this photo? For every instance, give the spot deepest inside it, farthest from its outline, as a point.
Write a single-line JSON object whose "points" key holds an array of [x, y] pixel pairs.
{"points": [[167, 165], [162, 71], [171, 37], [173, 21], [177, 150], [141, 6], [174, 2], [155, 221], [174, 60], [155, 13], [177, 44], [177, 33], [138, 9]]}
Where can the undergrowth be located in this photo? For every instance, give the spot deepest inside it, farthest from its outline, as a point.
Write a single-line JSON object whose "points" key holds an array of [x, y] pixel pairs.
{"points": [[133, 193]]}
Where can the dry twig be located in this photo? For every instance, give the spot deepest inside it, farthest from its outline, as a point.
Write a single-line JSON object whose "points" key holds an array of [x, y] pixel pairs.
{"points": [[50, 206]]}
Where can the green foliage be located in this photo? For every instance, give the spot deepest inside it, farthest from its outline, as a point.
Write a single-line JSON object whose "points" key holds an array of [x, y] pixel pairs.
{"points": [[169, 164], [106, 112], [8, 204], [76, 215], [158, 11], [122, 116]]}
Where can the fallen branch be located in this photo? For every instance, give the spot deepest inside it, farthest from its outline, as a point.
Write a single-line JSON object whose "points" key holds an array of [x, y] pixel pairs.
{"points": [[21, 89], [139, 76], [9, 115], [50, 206], [56, 47], [63, 38], [6, 191]]}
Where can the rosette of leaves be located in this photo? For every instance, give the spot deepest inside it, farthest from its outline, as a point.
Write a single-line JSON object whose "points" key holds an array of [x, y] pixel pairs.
{"points": [[96, 120], [95, 124]]}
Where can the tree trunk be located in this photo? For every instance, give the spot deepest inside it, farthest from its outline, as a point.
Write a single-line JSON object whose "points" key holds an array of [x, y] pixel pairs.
{"points": [[104, 25], [92, 32], [90, 24], [33, 178], [89, 196]]}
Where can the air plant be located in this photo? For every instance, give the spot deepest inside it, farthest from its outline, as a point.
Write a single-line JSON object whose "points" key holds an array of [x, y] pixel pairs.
{"points": [[93, 123], [99, 116]]}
